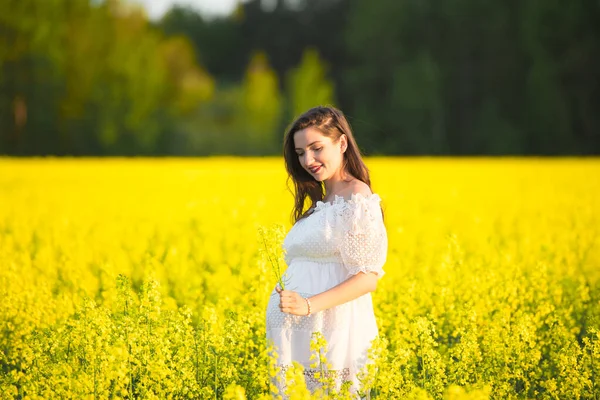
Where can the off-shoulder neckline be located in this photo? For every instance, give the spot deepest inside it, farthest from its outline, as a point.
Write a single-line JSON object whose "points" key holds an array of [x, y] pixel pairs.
{"points": [[354, 198]]}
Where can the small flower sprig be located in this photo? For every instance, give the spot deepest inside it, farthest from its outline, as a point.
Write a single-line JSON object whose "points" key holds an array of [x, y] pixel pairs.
{"points": [[272, 249]]}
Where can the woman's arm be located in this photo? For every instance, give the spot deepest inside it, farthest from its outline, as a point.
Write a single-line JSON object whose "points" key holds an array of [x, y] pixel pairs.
{"points": [[352, 288]]}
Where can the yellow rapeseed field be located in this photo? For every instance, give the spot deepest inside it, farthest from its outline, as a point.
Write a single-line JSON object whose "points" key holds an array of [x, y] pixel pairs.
{"points": [[143, 278]]}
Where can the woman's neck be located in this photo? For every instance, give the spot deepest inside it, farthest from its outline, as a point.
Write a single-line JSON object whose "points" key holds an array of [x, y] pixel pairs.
{"points": [[336, 184]]}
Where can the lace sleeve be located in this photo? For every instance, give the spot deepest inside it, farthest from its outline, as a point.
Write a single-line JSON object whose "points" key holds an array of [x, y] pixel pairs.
{"points": [[363, 237]]}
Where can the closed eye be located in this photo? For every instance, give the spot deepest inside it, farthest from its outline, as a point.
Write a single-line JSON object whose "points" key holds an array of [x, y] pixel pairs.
{"points": [[315, 149]]}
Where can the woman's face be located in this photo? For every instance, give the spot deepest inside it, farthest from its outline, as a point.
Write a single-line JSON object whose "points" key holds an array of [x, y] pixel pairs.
{"points": [[318, 154]]}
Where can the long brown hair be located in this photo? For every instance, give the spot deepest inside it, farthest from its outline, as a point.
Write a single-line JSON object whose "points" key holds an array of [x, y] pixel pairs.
{"points": [[332, 123]]}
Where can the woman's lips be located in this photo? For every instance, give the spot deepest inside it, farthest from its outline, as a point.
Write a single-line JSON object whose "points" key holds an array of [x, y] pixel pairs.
{"points": [[314, 171]]}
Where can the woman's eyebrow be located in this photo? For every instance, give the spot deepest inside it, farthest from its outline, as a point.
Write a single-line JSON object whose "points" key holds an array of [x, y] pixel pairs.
{"points": [[316, 141]]}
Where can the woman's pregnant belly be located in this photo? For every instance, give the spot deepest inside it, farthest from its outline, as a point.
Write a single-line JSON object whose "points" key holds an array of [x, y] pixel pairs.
{"points": [[310, 277]]}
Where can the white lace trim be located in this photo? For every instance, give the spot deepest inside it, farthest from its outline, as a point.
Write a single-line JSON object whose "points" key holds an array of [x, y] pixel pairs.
{"points": [[354, 198]]}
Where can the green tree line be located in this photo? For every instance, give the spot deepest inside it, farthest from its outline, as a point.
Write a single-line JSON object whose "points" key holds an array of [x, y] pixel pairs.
{"points": [[89, 77]]}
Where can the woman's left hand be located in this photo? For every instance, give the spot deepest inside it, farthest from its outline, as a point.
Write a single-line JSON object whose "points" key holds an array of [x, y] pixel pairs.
{"points": [[291, 302]]}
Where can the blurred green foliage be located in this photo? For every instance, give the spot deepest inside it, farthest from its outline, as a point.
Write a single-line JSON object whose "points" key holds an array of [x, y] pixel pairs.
{"points": [[308, 84], [413, 76]]}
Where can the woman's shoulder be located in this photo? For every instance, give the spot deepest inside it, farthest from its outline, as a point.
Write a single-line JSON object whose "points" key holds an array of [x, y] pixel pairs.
{"points": [[355, 196], [360, 209], [359, 192], [356, 188]]}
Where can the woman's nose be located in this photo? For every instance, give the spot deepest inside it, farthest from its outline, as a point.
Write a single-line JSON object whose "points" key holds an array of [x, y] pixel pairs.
{"points": [[308, 158]]}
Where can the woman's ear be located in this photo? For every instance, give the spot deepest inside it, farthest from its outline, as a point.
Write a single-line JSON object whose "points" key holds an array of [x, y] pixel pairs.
{"points": [[343, 142]]}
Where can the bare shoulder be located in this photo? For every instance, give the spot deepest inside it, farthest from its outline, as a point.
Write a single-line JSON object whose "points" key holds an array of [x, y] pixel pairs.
{"points": [[357, 187]]}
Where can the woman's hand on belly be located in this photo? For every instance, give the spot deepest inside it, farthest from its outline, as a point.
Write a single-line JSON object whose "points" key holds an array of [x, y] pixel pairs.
{"points": [[291, 302]]}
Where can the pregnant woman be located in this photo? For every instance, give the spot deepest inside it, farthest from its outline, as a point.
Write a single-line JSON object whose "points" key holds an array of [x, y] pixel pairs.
{"points": [[335, 252]]}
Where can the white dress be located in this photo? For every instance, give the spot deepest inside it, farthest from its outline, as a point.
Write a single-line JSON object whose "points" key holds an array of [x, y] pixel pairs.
{"points": [[336, 241]]}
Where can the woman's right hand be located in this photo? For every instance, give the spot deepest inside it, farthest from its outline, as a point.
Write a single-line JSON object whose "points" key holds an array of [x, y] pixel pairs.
{"points": [[292, 302]]}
